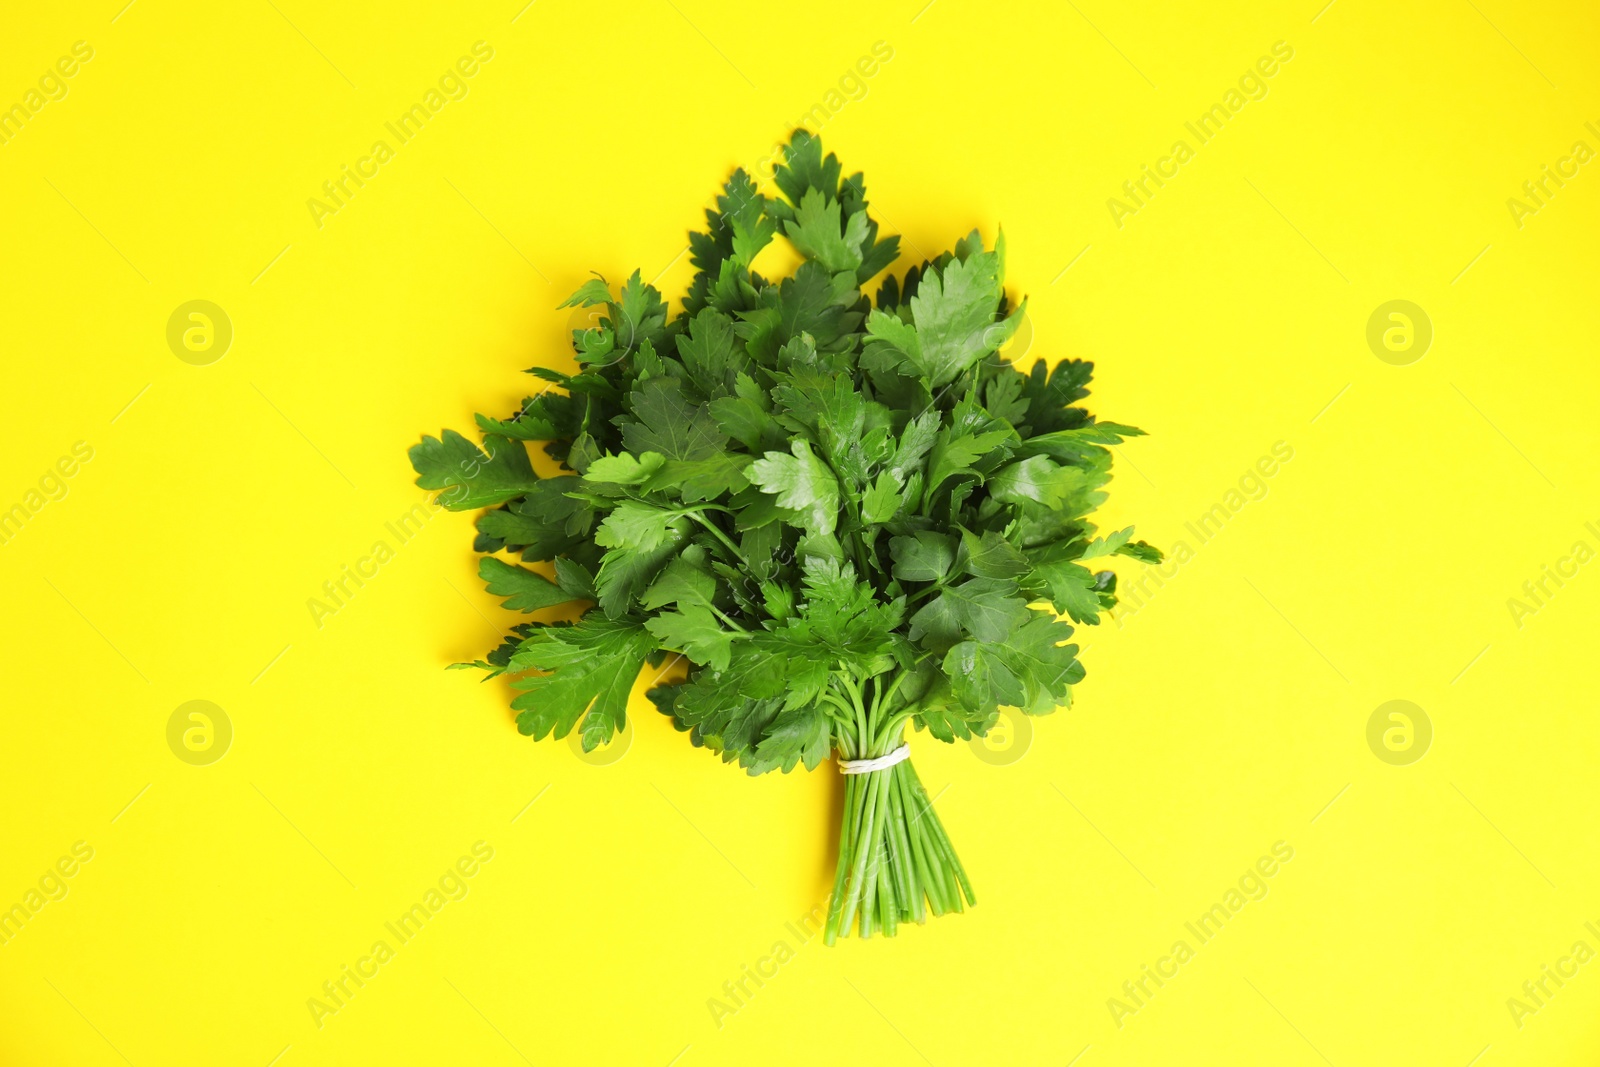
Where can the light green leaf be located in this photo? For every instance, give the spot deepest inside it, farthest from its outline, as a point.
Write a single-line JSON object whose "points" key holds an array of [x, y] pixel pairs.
{"points": [[591, 668], [1035, 480], [1071, 589], [882, 502], [954, 311], [695, 632], [683, 582], [897, 335], [802, 483], [625, 469], [815, 233], [635, 525]]}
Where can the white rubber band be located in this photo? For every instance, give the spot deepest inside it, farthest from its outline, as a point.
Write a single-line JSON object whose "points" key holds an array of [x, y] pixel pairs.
{"points": [[879, 763]]}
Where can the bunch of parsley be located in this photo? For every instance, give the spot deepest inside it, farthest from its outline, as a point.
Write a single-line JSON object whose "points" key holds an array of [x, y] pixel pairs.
{"points": [[847, 514]]}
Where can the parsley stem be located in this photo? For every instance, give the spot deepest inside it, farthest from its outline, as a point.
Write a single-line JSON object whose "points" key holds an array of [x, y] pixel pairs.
{"points": [[896, 863], [856, 550], [863, 846], [719, 614], [904, 874], [943, 841], [699, 517], [846, 848], [894, 686], [864, 734], [850, 741], [933, 887], [895, 722]]}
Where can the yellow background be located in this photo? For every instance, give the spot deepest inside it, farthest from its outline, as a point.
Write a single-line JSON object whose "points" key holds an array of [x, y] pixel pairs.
{"points": [[1223, 715]]}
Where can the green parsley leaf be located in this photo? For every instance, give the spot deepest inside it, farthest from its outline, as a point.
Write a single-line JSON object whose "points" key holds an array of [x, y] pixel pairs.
{"points": [[746, 417], [696, 632], [625, 469], [685, 581], [1036, 480], [986, 608], [666, 421], [992, 556], [882, 502], [925, 556], [470, 478], [815, 233], [1070, 588], [523, 589], [592, 667], [711, 352], [954, 454], [802, 483], [954, 311]]}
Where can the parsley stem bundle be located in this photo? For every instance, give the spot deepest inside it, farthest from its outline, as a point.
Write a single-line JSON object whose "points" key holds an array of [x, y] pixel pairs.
{"points": [[893, 852], [847, 514]]}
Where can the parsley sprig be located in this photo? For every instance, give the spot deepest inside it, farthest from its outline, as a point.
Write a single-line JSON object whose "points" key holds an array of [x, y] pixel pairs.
{"points": [[849, 515]]}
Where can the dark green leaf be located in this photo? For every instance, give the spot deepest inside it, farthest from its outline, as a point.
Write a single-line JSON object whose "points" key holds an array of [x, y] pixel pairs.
{"points": [[926, 556], [992, 556], [987, 608], [1070, 588], [523, 589], [470, 478], [711, 352], [666, 421]]}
